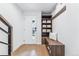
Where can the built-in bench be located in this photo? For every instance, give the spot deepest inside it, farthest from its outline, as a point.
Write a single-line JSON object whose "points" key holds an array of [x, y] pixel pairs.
{"points": [[55, 48]]}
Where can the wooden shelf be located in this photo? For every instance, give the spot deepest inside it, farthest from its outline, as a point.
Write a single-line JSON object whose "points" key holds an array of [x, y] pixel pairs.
{"points": [[46, 28], [46, 25]]}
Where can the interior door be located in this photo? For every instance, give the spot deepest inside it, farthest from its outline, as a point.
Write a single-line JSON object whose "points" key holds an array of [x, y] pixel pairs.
{"points": [[5, 37]]}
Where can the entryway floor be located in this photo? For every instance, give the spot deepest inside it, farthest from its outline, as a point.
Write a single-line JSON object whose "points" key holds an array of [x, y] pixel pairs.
{"points": [[31, 50]]}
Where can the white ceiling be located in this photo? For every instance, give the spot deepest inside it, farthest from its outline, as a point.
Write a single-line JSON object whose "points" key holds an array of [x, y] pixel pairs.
{"points": [[43, 7]]}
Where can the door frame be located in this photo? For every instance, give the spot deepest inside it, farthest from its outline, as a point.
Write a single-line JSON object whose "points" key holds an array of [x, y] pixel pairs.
{"points": [[3, 20]]}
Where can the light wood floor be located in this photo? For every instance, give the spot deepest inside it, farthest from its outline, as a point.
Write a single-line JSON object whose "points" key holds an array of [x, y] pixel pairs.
{"points": [[31, 50]]}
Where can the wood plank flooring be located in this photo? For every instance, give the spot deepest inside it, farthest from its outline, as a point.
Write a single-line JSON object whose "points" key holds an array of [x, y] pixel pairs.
{"points": [[31, 50]]}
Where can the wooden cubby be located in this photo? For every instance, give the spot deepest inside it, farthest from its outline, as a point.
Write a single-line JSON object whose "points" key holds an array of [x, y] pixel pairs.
{"points": [[46, 25]]}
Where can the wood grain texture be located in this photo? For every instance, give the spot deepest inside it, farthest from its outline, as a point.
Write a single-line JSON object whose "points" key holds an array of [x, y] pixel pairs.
{"points": [[30, 49], [51, 41], [55, 48]]}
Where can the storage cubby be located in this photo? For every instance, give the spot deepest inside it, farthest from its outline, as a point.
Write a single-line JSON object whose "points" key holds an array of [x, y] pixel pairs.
{"points": [[46, 25]]}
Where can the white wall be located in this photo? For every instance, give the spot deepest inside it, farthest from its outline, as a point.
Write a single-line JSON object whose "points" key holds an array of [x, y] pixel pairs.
{"points": [[29, 16], [67, 26], [12, 14]]}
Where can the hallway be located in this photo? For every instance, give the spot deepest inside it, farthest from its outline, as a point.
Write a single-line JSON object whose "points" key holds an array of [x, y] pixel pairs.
{"points": [[39, 29], [29, 24]]}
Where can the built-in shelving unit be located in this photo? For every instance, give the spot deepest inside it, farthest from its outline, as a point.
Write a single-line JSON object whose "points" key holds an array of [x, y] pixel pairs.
{"points": [[46, 25]]}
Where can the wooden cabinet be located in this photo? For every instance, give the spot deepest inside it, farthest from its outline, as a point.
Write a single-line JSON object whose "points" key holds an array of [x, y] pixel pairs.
{"points": [[55, 48]]}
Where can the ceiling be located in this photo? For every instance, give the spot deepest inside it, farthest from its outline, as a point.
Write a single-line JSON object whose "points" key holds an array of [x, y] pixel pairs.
{"points": [[43, 7]]}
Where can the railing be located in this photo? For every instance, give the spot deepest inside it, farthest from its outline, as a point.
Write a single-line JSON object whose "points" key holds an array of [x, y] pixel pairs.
{"points": [[3, 30], [8, 33], [3, 43]]}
